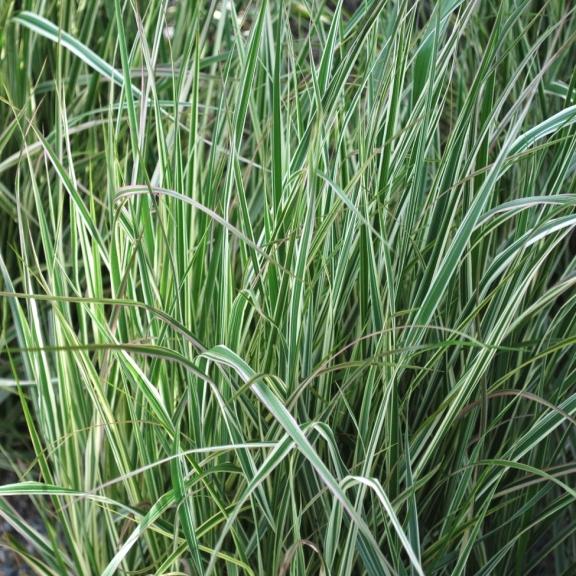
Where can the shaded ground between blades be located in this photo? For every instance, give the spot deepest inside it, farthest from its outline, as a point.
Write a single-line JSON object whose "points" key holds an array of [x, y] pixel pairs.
{"points": [[10, 563]]}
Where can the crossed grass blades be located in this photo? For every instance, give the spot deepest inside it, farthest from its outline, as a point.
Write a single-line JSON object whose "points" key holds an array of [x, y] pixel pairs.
{"points": [[288, 286]]}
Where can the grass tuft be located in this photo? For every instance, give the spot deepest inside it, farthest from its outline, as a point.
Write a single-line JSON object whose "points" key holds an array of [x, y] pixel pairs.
{"points": [[288, 287]]}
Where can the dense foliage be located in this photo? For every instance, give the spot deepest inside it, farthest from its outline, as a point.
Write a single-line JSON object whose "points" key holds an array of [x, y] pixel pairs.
{"points": [[287, 286]]}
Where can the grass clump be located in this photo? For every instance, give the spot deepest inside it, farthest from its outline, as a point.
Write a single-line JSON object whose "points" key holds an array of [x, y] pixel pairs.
{"points": [[288, 287]]}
